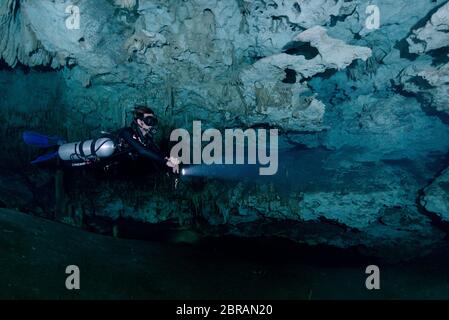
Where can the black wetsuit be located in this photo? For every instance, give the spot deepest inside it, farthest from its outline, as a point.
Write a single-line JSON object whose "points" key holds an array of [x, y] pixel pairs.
{"points": [[132, 142]]}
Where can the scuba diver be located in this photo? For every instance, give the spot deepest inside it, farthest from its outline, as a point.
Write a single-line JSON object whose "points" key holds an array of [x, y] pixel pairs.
{"points": [[135, 141], [139, 138]]}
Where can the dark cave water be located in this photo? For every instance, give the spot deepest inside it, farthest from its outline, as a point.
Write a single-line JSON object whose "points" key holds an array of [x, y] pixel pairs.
{"points": [[217, 268], [230, 267]]}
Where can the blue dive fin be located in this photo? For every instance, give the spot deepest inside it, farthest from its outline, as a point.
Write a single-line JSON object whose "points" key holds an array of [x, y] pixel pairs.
{"points": [[40, 140], [45, 157]]}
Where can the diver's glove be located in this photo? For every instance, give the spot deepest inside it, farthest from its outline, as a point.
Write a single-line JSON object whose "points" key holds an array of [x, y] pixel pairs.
{"points": [[173, 163]]}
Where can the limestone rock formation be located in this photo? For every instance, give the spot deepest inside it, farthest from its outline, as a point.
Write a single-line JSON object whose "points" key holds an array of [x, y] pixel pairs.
{"points": [[430, 81], [275, 87], [18, 41], [434, 35], [436, 196]]}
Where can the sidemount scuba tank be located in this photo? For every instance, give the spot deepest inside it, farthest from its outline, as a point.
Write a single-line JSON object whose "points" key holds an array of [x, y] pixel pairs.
{"points": [[77, 153], [86, 151]]}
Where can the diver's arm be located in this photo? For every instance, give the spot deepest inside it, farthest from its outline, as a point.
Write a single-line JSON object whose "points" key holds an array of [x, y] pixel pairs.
{"points": [[151, 154]]}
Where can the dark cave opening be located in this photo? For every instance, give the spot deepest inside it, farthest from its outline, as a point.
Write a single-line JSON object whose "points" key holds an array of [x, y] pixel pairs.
{"points": [[422, 83], [440, 56], [24, 68], [299, 48], [257, 248], [290, 76], [403, 48], [16, 10], [297, 7]]}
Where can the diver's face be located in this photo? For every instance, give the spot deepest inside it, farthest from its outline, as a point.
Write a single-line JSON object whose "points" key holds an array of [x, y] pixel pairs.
{"points": [[144, 127]]}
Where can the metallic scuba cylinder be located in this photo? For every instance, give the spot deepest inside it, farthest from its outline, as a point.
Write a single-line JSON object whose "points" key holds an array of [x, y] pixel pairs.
{"points": [[87, 149]]}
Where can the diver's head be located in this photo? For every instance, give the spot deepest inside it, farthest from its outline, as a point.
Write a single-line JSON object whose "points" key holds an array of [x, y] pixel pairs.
{"points": [[145, 119]]}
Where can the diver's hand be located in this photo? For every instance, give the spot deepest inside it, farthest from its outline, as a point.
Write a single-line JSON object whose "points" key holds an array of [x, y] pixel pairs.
{"points": [[173, 163]]}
